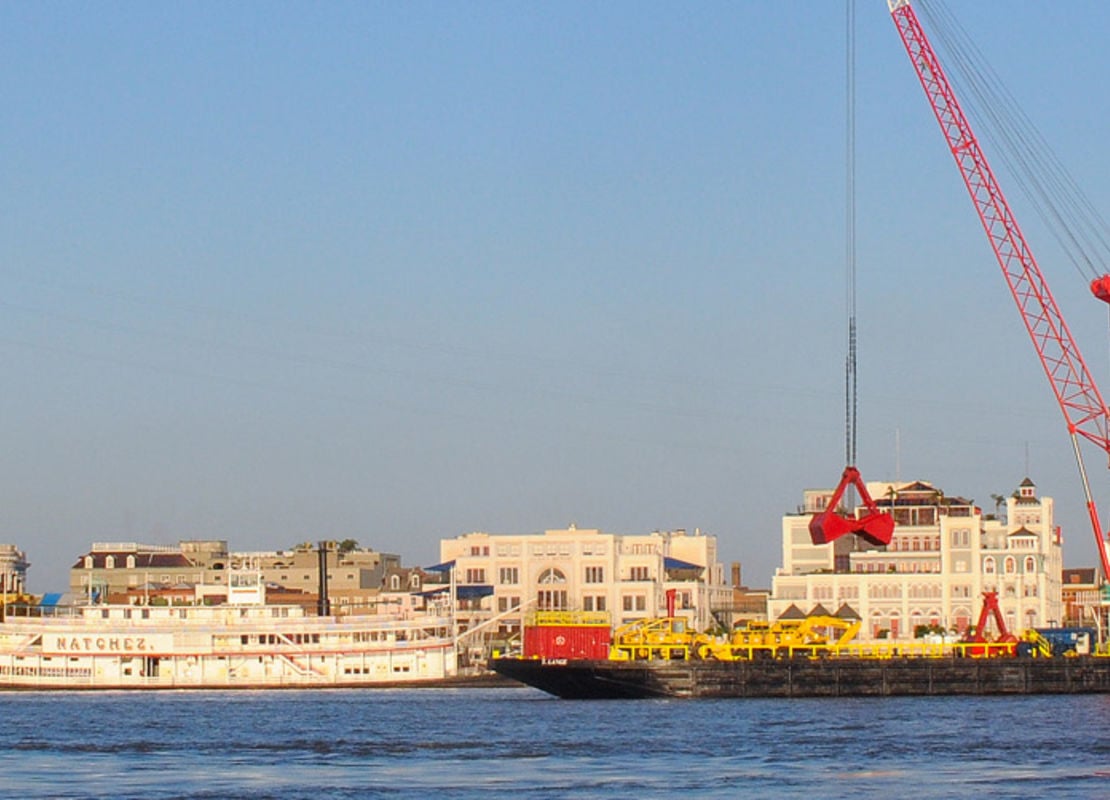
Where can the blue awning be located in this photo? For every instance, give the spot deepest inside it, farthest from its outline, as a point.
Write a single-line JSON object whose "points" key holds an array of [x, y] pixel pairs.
{"points": [[467, 592], [472, 592], [446, 566], [678, 563], [52, 599]]}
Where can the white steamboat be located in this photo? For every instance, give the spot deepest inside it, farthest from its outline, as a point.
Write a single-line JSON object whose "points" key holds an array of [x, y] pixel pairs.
{"points": [[243, 643]]}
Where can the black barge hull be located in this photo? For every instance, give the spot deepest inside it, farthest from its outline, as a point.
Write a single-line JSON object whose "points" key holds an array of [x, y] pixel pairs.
{"points": [[834, 677]]}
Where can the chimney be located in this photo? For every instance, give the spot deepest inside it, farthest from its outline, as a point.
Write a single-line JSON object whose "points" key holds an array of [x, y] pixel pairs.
{"points": [[736, 574], [323, 605]]}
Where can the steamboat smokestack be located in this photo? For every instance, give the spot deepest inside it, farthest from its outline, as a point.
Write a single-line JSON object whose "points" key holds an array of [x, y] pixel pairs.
{"points": [[323, 605]]}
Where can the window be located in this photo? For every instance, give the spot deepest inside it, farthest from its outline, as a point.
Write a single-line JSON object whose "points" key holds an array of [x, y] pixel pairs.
{"points": [[508, 576], [109, 562], [1011, 565], [395, 582], [634, 602], [507, 603], [988, 565], [639, 574], [549, 598], [594, 603], [475, 575], [595, 574], [1030, 564], [552, 575]]}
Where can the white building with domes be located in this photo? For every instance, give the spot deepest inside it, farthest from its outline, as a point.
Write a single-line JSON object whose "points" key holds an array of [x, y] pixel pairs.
{"points": [[944, 554]]}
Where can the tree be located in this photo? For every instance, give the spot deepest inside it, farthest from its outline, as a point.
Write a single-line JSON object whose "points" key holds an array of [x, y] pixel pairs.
{"points": [[347, 545], [998, 499]]}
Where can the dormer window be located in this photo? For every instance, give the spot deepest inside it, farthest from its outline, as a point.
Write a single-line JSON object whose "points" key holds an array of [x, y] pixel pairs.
{"points": [[109, 562], [88, 562]]}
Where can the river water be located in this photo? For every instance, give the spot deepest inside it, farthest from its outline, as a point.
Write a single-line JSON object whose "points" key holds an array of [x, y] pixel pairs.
{"points": [[520, 743]]}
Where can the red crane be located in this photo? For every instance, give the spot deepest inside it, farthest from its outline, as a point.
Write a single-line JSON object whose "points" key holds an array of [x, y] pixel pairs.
{"points": [[1004, 644], [1080, 401]]}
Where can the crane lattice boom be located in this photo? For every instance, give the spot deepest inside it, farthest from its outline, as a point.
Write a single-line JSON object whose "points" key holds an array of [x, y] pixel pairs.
{"points": [[1075, 389]]}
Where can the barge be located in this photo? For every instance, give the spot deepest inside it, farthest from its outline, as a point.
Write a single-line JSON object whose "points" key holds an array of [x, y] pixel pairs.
{"points": [[813, 657], [849, 676]]}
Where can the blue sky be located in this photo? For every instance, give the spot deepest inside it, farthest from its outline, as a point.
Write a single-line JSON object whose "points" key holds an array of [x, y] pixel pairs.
{"points": [[396, 272]]}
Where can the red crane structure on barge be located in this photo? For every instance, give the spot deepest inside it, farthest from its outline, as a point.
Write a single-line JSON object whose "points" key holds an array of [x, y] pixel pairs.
{"points": [[1080, 401]]}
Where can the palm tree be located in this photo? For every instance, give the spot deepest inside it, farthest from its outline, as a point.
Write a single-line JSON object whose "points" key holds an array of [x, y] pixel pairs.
{"points": [[998, 499]]}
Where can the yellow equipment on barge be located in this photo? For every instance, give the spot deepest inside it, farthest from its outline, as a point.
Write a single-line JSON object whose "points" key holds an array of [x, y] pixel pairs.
{"points": [[671, 639]]}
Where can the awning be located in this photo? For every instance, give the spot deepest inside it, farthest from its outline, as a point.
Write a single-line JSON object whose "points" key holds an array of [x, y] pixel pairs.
{"points": [[678, 563], [52, 599], [472, 592], [446, 566], [467, 592]]}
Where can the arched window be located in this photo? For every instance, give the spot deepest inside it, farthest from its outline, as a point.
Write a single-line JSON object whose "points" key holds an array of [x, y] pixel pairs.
{"points": [[88, 562], [988, 565], [395, 582], [1011, 565], [1030, 565], [414, 581], [916, 619], [109, 562], [551, 596], [131, 562], [552, 575], [961, 619]]}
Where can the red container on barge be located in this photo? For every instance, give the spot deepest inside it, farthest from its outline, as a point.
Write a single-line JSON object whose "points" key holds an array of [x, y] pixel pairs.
{"points": [[567, 635]]}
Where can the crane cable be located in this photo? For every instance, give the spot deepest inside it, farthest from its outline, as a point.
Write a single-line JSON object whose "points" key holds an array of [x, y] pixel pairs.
{"points": [[850, 381], [1081, 231], [850, 376], [1044, 181]]}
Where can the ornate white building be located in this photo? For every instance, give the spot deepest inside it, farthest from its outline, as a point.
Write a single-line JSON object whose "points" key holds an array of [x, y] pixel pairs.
{"points": [[944, 554], [585, 569]]}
